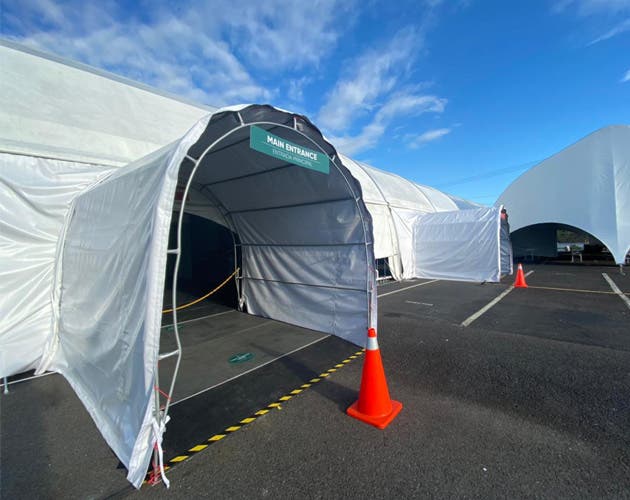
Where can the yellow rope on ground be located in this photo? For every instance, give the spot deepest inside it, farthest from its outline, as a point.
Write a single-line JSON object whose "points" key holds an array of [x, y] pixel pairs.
{"points": [[206, 295]]}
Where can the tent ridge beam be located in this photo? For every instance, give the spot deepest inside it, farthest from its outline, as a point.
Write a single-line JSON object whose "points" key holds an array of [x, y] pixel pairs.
{"points": [[293, 205]]}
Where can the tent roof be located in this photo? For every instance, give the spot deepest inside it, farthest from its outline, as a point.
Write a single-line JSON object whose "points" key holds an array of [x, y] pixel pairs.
{"points": [[586, 185], [88, 115], [381, 187]]}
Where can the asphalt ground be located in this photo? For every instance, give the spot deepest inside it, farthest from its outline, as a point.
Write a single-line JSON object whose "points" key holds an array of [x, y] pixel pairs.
{"points": [[532, 400]]}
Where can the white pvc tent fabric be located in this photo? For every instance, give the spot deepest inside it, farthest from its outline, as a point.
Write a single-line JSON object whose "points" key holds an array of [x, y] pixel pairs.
{"points": [[60, 109], [586, 185], [107, 299], [34, 197], [507, 257], [106, 336], [462, 245]]}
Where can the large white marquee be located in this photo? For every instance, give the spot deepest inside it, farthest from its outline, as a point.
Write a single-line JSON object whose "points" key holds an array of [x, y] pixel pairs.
{"points": [[586, 185]]}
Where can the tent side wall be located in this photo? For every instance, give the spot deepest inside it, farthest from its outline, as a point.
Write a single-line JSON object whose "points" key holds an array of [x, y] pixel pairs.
{"points": [[458, 245], [113, 262], [35, 195], [507, 256]]}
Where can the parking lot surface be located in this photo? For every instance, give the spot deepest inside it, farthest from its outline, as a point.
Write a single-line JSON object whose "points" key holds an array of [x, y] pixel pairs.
{"points": [[532, 399]]}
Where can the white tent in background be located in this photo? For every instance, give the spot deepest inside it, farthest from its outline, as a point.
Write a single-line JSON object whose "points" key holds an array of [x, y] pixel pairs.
{"points": [[91, 166], [586, 185], [425, 233]]}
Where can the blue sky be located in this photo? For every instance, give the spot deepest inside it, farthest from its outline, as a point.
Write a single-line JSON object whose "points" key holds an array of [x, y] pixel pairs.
{"points": [[462, 95]]}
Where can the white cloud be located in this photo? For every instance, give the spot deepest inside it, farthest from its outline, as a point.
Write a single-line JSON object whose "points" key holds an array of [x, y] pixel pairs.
{"points": [[283, 34], [232, 51], [592, 7], [398, 106], [626, 77], [372, 75], [616, 30], [295, 92], [604, 11], [207, 51], [429, 136], [372, 88]]}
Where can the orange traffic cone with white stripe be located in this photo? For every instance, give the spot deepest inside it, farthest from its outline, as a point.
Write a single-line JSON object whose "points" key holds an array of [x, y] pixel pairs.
{"points": [[374, 406], [519, 282]]}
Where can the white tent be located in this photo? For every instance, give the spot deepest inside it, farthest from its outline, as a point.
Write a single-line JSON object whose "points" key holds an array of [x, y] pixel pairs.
{"points": [[425, 233], [92, 170], [586, 185], [462, 245], [297, 212]]}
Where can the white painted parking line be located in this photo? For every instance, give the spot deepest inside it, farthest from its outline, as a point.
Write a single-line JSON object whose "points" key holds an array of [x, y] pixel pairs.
{"points": [[407, 288], [489, 305], [418, 303], [616, 289], [248, 371]]}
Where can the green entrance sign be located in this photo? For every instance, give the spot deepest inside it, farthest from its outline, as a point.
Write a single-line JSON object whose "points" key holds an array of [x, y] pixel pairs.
{"points": [[272, 145], [241, 357]]}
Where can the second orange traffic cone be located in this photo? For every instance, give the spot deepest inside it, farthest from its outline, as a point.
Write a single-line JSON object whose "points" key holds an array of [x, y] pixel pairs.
{"points": [[374, 406], [520, 278]]}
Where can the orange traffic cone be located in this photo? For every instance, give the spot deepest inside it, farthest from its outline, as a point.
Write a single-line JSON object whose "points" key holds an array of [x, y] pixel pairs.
{"points": [[520, 278], [374, 406]]}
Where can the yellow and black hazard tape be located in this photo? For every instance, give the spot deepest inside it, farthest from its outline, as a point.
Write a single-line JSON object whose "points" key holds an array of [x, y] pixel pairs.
{"points": [[276, 405]]}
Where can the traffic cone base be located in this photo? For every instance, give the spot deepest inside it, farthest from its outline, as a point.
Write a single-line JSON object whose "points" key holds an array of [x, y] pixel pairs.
{"points": [[380, 422]]}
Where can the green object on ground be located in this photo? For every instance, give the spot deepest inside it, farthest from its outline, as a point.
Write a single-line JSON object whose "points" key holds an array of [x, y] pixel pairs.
{"points": [[241, 357]]}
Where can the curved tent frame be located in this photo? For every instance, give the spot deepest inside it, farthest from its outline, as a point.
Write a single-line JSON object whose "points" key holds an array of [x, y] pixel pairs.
{"points": [[263, 116]]}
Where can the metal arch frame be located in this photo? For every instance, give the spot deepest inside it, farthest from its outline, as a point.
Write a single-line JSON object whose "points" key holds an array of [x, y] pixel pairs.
{"points": [[162, 415]]}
